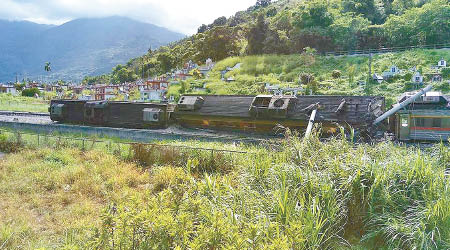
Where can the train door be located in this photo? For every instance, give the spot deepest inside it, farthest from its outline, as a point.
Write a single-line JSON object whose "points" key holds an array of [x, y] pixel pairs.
{"points": [[404, 127]]}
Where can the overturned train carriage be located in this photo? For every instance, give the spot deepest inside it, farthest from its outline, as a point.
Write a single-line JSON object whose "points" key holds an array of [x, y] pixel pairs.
{"points": [[111, 114], [265, 113]]}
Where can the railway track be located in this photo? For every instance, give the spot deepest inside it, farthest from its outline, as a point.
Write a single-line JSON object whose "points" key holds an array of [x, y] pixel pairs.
{"points": [[21, 113], [41, 123]]}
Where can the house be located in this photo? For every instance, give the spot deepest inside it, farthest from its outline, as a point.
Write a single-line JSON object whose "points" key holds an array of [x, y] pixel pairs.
{"points": [[209, 64], [189, 66], [154, 90], [442, 63], [181, 75], [436, 77], [417, 78], [78, 90], [8, 89], [377, 78], [230, 79], [393, 70], [86, 98], [105, 92]]}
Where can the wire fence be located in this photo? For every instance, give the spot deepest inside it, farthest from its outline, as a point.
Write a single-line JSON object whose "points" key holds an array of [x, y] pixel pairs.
{"points": [[385, 50], [143, 153]]}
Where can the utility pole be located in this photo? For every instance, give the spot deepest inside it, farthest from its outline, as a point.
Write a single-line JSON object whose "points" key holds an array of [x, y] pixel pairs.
{"points": [[370, 68]]}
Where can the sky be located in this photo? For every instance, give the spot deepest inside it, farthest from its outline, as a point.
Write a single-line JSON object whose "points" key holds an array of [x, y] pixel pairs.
{"points": [[184, 16]]}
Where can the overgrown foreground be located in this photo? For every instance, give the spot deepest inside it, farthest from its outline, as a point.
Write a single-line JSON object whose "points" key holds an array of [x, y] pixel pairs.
{"points": [[312, 195]]}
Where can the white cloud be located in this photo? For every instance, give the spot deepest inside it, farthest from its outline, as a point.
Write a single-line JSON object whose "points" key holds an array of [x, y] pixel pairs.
{"points": [[179, 15]]}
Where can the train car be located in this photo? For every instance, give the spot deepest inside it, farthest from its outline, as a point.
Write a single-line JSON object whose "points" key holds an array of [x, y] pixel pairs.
{"points": [[264, 113], [111, 114], [135, 114], [67, 111], [425, 119]]}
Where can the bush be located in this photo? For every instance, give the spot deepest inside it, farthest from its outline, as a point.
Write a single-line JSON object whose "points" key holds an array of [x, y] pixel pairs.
{"points": [[336, 74], [10, 146], [31, 92]]}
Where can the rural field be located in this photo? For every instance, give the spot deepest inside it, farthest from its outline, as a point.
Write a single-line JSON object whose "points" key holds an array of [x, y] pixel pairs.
{"points": [[296, 195], [22, 103]]}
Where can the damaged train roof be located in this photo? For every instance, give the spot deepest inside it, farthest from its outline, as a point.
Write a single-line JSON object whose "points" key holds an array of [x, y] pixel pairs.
{"points": [[350, 109]]}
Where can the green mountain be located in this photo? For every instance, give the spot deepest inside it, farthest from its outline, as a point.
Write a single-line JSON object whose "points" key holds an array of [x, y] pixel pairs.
{"points": [[287, 27], [77, 48]]}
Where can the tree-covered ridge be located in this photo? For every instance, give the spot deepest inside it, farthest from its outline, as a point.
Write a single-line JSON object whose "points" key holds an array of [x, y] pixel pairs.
{"points": [[289, 26]]}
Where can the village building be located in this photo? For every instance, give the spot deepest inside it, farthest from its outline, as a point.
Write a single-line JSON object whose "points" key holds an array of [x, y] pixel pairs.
{"points": [[393, 70], [154, 90], [442, 63], [377, 78], [78, 90], [209, 65], [417, 78], [8, 89], [105, 92], [434, 76]]}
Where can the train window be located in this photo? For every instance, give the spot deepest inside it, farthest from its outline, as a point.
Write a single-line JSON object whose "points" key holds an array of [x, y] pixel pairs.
{"points": [[436, 123], [419, 122], [404, 121]]}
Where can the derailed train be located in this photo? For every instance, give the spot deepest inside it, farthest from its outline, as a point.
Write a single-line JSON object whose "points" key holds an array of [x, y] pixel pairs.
{"points": [[426, 118]]}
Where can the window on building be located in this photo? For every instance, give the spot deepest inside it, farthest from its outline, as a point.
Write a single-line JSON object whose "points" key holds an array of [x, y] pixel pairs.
{"points": [[436, 122]]}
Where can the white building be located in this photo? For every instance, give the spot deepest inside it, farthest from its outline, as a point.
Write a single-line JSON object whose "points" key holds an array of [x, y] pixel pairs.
{"points": [[8, 89], [149, 95], [377, 78], [442, 63], [417, 77], [393, 70]]}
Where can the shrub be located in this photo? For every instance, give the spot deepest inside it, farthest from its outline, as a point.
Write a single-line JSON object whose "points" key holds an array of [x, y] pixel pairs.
{"points": [[336, 74], [31, 92], [10, 146]]}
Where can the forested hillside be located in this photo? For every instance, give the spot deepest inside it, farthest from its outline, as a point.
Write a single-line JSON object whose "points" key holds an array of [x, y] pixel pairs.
{"points": [[289, 26]]}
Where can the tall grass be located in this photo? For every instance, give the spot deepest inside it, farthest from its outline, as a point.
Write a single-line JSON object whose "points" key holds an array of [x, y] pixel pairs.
{"points": [[310, 195]]}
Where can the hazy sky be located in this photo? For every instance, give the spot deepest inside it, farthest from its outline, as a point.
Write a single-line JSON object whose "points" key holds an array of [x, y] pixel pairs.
{"points": [[179, 15]]}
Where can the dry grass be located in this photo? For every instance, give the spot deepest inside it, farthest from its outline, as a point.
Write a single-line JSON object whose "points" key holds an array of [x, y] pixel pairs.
{"points": [[51, 198]]}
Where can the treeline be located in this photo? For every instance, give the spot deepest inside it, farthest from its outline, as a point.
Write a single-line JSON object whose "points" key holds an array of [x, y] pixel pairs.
{"points": [[289, 26]]}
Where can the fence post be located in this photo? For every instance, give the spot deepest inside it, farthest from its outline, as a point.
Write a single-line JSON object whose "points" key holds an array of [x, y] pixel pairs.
{"points": [[38, 140], [82, 144], [18, 137]]}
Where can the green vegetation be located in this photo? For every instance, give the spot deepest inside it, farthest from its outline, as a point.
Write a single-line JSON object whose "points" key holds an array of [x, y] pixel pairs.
{"points": [[299, 195], [329, 75], [290, 26], [32, 92], [22, 103]]}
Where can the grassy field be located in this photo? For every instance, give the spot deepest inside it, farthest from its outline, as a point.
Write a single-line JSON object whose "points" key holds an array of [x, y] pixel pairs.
{"points": [[284, 70], [21, 103], [297, 195]]}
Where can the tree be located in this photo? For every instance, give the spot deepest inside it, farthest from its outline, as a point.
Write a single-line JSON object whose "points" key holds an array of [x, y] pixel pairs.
{"points": [[167, 61], [47, 67], [262, 3], [31, 92], [256, 36], [202, 28], [313, 14], [336, 74], [351, 73], [221, 21]]}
